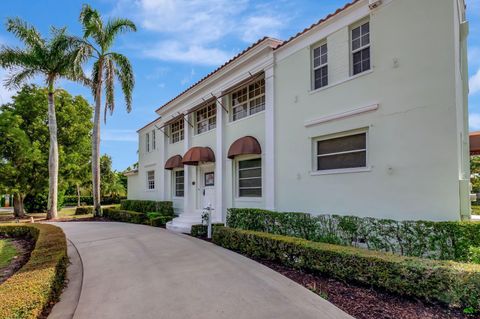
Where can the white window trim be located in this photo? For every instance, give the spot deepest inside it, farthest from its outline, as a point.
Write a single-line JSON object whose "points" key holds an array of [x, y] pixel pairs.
{"points": [[207, 119], [236, 165], [248, 101], [352, 52], [313, 68], [148, 189], [179, 131], [174, 181], [366, 168]]}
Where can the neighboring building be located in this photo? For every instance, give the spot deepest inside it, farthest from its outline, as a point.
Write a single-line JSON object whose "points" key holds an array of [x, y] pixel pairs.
{"points": [[363, 113]]}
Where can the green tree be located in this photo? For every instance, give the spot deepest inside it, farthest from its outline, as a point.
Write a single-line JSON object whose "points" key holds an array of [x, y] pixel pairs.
{"points": [[98, 39], [52, 59], [24, 164]]}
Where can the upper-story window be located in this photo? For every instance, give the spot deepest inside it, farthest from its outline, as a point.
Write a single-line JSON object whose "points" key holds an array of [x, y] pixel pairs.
{"points": [[176, 131], [361, 48], [320, 66], [154, 142], [206, 118], [147, 142], [248, 100]]}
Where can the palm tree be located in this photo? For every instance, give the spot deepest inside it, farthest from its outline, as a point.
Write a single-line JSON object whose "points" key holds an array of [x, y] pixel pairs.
{"points": [[52, 59], [98, 39]]}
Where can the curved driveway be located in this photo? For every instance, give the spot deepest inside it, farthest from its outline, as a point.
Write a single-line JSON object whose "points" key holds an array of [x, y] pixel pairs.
{"points": [[135, 271]]}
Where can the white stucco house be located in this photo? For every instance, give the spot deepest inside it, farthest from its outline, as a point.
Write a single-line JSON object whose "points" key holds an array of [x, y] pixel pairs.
{"points": [[363, 113]]}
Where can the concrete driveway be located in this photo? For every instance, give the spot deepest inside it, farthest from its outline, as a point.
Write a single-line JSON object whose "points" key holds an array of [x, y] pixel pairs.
{"points": [[135, 271]]}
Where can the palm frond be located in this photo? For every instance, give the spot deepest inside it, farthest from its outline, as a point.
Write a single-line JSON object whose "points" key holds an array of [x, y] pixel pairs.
{"points": [[15, 57], [16, 79], [115, 27], [25, 32], [125, 76], [92, 24]]}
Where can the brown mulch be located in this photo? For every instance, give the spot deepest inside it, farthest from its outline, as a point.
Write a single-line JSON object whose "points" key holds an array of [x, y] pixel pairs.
{"points": [[24, 248], [364, 302]]}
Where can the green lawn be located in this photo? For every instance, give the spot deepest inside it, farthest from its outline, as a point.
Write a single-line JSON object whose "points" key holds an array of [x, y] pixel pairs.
{"points": [[7, 252]]}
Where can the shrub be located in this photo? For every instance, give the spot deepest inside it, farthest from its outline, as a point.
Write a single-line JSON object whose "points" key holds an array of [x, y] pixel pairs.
{"points": [[452, 283], [165, 208], [434, 240], [125, 216], [201, 230], [84, 210], [39, 282], [72, 200], [37, 203], [160, 221]]}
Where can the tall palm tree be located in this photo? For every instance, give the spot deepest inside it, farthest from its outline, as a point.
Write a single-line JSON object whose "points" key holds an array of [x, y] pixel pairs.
{"points": [[51, 58], [98, 39]]}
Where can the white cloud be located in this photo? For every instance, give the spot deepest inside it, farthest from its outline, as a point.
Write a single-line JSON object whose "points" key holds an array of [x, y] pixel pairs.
{"points": [[474, 83], [115, 135], [256, 27]]}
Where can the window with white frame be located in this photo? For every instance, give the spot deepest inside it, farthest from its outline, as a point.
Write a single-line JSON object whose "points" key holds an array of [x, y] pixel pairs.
{"points": [[151, 180], [147, 142], [361, 48], [342, 152], [249, 177], [176, 131], [320, 66], [154, 142], [248, 100], [206, 118], [179, 183]]}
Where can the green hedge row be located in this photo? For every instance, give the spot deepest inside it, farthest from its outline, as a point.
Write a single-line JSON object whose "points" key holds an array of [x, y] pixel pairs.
{"points": [[88, 200], [452, 283], [201, 231], [165, 208], [435, 240], [84, 210], [39, 282], [153, 219]]}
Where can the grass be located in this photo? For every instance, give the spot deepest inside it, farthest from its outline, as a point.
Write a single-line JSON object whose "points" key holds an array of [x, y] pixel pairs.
{"points": [[7, 252]]}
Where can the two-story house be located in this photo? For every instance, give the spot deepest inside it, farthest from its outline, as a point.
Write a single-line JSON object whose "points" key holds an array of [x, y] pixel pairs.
{"points": [[363, 113]]}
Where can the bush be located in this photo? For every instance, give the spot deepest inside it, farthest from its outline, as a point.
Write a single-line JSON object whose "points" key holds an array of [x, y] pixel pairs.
{"points": [[202, 230], [84, 210], [160, 221], [37, 203], [39, 282], [72, 200], [452, 283], [165, 208], [434, 240], [125, 216]]}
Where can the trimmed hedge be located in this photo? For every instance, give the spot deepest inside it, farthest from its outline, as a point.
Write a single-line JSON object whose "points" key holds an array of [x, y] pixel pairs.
{"points": [[125, 216], [201, 230], [426, 239], [452, 283], [39, 282], [84, 210], [160, 221], [72, 200], [165, 208]]}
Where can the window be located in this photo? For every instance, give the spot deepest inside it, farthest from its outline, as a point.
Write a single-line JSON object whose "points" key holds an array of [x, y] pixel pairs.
{"points": [[342, 152], [206, 118], [147, 142], [179, 183], [154, 142], [250, 178], [176, 131], [361, 48], [320, 66], [248, 100], [151, 180]]}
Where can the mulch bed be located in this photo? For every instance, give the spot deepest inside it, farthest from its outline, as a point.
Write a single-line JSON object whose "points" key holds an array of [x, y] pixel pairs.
{"points": [[365, 302], [24, 248]]}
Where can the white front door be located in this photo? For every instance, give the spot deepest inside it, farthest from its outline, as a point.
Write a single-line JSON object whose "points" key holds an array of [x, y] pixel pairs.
{"points": [[207, 188]]}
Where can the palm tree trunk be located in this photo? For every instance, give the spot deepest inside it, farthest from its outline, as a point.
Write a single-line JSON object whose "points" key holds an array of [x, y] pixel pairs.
{"points": [[78, 195], [53, 156], [96, 145], [18, 210]]}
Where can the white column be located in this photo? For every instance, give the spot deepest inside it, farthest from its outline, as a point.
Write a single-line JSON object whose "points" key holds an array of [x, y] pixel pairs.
{"points": [[187, 178], [219, 164], [269, 162], [160, 140]]}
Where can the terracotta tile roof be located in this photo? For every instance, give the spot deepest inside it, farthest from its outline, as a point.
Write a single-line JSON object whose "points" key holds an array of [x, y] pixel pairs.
{"points": [[221, 67], [346, 6]]}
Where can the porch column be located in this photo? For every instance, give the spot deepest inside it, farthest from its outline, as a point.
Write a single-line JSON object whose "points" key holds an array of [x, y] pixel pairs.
{"points": [[219, 160], [187, 176], [160, 140], [269, 158]]}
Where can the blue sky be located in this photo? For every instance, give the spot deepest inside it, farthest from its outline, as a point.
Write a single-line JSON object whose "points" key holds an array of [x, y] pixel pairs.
{"points": [[178, 42]]}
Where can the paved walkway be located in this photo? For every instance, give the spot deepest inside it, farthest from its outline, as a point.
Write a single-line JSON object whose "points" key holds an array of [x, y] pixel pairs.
{"points": [[135, 271]]}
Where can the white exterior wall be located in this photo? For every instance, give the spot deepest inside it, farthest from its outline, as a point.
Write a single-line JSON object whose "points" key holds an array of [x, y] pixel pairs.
{"points": [[413, 135]]}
